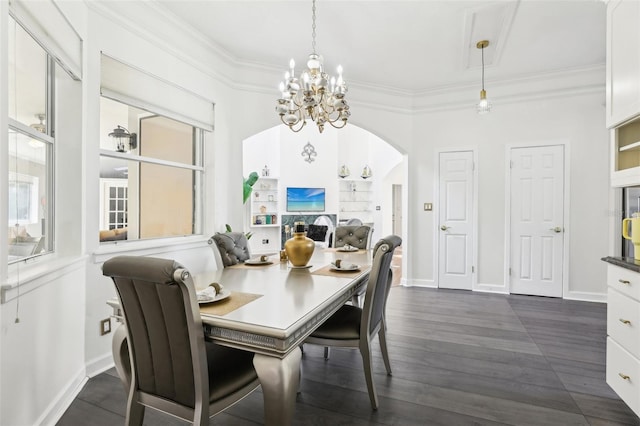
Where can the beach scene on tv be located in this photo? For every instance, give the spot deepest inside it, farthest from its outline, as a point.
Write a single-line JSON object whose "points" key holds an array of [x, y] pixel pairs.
{"points": [[305, 199]]}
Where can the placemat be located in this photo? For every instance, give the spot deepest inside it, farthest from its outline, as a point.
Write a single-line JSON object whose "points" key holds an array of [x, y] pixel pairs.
{"points": [[326, 270], [231, 303]]}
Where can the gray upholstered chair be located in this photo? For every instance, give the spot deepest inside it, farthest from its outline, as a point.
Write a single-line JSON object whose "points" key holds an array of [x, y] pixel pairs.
{"points": [[354, 235], [355, 327], [164, 361], [354, 221], [233, 247]]}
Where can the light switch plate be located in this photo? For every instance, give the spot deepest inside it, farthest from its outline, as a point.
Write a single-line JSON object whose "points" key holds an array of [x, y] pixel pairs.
{"points": [[428, 207], [105, 326]]}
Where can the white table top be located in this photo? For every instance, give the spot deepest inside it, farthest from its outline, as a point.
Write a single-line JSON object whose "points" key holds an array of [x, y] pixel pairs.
{"points": [[293, 302]]}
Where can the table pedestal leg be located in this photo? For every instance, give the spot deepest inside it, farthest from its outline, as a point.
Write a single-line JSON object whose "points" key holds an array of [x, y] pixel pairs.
{"points": [[279, 379], [120, 350]]}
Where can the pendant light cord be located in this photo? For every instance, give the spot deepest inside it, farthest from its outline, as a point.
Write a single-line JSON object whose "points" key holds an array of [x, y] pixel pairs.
{"points": [[482, 54]]}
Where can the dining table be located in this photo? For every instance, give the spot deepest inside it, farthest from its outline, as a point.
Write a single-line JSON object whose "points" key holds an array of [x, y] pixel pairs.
{"points": [[269, 307]]}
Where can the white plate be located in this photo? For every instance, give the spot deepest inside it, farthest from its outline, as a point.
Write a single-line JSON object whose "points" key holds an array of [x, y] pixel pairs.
{"points": [[257, 262], [351, 268], [220, 296], [347, 249]]}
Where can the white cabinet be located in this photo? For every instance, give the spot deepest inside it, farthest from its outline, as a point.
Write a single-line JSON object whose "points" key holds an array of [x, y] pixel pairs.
{"points": [[356, 200], [623, 61], [625, 154], [623, 329]]}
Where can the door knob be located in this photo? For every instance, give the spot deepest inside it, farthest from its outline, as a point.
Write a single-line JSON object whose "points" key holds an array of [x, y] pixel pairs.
{"points": [[557, 229], [444, 227]]}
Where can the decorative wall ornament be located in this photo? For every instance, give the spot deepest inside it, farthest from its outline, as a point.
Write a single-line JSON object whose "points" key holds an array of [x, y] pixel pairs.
{"points": [[309, 151], [344, 171]]}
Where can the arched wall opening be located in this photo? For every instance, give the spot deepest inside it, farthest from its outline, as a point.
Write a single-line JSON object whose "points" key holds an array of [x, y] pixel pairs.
{"points": [[281, 161]]}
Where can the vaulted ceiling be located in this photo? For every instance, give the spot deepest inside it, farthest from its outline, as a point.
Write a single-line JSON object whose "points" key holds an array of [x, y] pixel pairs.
{"points": [[409, 46]]}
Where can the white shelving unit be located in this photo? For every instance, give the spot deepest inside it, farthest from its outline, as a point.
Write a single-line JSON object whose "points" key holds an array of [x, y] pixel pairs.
{"points": [[264, 203], [355, 199]]}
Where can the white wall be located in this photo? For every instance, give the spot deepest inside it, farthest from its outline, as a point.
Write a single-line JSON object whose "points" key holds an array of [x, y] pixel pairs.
{"points": [[280, 149], [577, 120], [52, 315]]}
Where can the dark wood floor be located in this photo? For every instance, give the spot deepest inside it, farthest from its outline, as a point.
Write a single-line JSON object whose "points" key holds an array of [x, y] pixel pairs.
{"points": [[458, 358]]}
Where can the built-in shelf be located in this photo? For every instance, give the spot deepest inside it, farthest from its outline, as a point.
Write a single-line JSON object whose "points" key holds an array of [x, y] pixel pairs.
{"points": [[264, 203], [625, 154], [629, 147]]}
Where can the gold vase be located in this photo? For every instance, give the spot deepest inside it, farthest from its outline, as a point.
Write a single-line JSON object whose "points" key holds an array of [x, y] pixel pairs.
{"points": [[299, 249]]}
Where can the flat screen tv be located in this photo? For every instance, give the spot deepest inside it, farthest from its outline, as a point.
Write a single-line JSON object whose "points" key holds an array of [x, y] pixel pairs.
{"points": [[305, 199]]}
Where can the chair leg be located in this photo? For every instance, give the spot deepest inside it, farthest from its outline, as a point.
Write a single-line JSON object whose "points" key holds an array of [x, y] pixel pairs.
{"points": [[135, 411], [365, 351], [326, 352], [382, 337]]}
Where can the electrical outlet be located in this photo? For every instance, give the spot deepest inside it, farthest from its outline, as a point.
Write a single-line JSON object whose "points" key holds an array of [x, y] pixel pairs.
{"points": [[105, 326], [265, 241]]}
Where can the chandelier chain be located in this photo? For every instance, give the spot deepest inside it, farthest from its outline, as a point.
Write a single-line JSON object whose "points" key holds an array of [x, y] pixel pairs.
{"points": [[313, 27]]}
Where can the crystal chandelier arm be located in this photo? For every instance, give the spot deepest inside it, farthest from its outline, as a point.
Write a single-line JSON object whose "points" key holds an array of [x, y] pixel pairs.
{"points": [[344, 123]]}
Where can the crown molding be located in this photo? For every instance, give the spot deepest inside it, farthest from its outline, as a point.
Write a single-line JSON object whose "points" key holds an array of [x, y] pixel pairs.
{"points": [[560, 83], [193, 48]]}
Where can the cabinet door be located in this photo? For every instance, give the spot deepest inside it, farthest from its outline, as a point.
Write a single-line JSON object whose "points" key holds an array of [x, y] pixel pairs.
{"points": [[623, 61]]}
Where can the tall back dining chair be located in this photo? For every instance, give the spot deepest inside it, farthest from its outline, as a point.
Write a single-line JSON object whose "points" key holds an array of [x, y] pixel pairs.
{"points": [[355, 327], [170, 366], [355, 235], [232, 248]]}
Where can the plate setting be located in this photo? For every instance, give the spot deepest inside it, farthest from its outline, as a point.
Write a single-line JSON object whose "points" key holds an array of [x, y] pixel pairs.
{"points": [[257, 262], [347, 248], [205, 298], [262, 260], [344, 267]]}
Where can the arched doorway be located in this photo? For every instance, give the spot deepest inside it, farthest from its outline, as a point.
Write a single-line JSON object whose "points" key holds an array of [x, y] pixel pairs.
{"points": [[356, 171]]}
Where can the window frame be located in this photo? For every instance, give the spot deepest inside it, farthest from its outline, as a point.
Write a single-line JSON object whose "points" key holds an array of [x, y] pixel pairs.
{"points": [[48, 138], [198, 168]]}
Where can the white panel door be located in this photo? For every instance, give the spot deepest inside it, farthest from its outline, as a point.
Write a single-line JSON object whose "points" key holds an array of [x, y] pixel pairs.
{"points": [[537, 209], [455, 212]]}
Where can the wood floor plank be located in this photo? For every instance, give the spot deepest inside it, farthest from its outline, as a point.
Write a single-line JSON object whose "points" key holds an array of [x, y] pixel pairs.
{"points": [[458, 357], [83, 413], [609, 409]]}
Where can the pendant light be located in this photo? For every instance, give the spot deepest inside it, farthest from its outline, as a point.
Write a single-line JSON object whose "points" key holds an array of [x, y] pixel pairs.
{"points": [[484, 106]]}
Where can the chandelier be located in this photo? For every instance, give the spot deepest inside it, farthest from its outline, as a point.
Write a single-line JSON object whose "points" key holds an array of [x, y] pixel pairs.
{"points": [[484, 106], [315, 95]]}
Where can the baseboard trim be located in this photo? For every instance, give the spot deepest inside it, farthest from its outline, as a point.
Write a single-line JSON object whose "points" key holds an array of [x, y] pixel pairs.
{"points": [[65, 398], [490, 288], [99, 365], [419, 283], [586, 296]]}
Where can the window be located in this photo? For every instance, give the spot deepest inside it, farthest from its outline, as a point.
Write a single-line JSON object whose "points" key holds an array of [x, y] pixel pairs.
{"points": [[30, 146], [150, 184]]}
